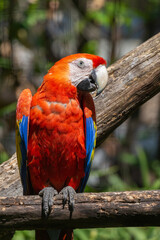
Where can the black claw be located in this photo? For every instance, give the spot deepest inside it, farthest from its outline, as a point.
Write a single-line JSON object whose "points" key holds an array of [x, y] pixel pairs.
{"points": [[68, 192], [47, 195]]}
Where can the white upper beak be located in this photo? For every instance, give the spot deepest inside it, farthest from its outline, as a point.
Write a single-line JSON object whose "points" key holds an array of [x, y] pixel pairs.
{"points": [[101, 78]]}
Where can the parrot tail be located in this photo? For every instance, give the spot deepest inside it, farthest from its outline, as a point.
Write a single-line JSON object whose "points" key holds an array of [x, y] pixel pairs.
{"points": [[65, 234]]}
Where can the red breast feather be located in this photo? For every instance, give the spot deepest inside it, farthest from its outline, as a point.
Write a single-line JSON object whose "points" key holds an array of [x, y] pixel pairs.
{"points": [[56, 146]]}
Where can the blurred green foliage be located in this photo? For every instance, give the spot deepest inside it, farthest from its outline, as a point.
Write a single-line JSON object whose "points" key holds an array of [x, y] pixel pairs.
{"points": [[24, 235], [90, 47], [118, 234], [8, 109], [3, 156], [104, 17], [5, 63]]}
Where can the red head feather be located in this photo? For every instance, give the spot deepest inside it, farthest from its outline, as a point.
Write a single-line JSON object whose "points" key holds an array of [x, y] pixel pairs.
{"points": [[96, 59]]}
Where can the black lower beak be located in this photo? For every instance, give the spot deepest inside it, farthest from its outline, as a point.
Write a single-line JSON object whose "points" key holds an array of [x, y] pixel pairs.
{"points": [[88, 84]]}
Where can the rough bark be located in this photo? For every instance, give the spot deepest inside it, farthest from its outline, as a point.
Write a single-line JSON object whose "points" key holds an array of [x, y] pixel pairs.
{"points": [[117, 209], [10, 184]]}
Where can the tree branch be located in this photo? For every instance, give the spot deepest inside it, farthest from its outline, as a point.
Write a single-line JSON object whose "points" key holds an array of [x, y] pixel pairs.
{"points": [[133, 80], [117, 209]]}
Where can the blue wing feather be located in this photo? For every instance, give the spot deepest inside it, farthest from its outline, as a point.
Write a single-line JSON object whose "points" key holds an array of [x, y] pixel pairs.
{"points": [[22, 139], [22, 130], [90, 146]]}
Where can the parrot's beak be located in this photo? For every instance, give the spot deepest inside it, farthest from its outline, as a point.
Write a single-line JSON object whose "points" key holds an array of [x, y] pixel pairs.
{"points": [[96, 81], [101, 78]]}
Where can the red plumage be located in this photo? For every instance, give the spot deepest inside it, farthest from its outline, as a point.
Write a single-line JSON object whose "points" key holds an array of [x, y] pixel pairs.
{"points": [[56, 144]]}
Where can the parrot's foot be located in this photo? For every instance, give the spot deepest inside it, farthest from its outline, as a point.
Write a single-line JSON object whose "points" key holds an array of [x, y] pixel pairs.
{"points": [[47, 195], [68, 192]]}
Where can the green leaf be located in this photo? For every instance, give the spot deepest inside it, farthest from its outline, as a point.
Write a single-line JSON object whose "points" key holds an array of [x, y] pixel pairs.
{"points": [[104, 172], [137, 233], [156, 167], [35, 16], [117, 184], [24, 235], [156, 184], [90, 47], [8, 109], [144, 168], [5, 62], [80, 234], [3, 157], [128, 158]]}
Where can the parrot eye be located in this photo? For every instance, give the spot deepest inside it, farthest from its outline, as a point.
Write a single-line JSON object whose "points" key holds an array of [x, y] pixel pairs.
{"points": [[81, 64]]}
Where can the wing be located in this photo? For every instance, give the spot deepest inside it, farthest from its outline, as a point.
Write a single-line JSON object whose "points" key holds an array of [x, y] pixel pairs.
{"points": [[22, 130], [90, 134]]}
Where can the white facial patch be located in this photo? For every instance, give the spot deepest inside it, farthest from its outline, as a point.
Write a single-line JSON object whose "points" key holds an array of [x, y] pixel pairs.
{"points": [[78, 72]]}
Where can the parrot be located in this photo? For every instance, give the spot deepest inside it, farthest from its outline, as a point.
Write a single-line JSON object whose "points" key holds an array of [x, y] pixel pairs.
{"points": [[56, 133]]}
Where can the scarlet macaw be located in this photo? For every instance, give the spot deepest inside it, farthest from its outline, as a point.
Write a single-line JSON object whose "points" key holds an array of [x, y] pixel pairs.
{"points": [[56, 132]]}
